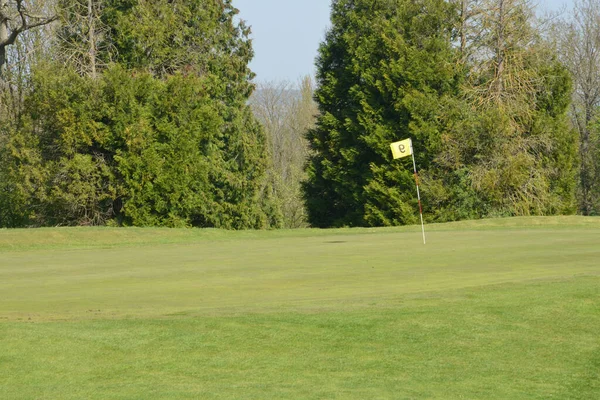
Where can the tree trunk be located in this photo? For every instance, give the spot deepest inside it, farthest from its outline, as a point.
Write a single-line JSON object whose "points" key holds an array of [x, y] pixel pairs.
{"points": [[3, 34], [500, 49], [463, 27], [92, 39], [586, 175], [580, 51]]}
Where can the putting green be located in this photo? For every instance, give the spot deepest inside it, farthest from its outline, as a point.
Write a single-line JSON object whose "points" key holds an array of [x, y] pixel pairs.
{"points": [[506, 308]]}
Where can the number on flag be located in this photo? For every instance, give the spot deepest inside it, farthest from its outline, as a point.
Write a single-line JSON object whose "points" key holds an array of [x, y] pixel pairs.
{"points": [[402, 148]]}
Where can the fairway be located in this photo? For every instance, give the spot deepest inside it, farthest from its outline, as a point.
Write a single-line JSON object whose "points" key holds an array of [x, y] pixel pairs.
{"points": [[492, 309]]}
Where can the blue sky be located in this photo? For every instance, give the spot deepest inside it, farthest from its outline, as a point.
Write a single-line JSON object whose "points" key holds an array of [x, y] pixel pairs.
{"points": [[286, 34]]}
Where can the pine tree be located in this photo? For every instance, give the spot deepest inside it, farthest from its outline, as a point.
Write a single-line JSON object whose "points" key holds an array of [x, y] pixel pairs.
{"points": [[382, 71], [201, 39]]}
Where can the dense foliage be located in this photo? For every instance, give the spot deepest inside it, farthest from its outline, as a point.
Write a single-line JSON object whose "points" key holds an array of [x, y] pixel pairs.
{"points": [[145, 113], [382, 71], [151, 128], [490, 131]]}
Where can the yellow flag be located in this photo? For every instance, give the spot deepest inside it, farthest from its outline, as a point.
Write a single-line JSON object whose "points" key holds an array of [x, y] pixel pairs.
{"points": [[402, 148]]}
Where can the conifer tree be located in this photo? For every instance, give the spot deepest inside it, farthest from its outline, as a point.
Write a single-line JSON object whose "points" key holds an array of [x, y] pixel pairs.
{"points": [[382, 70]]}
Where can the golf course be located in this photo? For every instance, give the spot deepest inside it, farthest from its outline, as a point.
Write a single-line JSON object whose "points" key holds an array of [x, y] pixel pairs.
{"points": [[490, 309]]}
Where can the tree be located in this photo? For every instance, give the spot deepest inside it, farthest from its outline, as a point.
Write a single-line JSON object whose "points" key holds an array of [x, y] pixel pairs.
{"points": [[58, 165], [382, 71], [203, 39], [83, 37], [579, 49], [469, 10], [23, 46]]}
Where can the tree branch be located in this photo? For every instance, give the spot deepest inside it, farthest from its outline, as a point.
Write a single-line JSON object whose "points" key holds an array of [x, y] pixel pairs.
{"points": [[25, 24]]}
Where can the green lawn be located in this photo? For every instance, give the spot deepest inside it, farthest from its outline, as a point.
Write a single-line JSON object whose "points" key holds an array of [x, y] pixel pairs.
{"points": [[494, 309]]}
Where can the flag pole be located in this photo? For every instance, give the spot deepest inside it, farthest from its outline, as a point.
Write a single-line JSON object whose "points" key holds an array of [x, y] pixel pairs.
{"points": [[418, 192]]}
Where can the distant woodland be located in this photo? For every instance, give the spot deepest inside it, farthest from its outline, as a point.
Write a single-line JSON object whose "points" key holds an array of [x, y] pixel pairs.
{"points": [[145, 113]]}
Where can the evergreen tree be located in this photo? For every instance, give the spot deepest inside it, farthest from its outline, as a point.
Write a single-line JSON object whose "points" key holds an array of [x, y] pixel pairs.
{"points": [[201, 39], [382, 72]]}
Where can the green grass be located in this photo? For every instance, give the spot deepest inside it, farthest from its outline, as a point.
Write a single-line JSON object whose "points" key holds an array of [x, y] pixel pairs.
{"points": [[494, 309]]}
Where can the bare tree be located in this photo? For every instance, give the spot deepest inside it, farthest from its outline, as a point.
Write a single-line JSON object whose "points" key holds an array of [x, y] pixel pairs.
{"points": [[286, 112], [16, 17], [500, 38], [20, 48], [83, 36], [579, 49], [467, 30]]}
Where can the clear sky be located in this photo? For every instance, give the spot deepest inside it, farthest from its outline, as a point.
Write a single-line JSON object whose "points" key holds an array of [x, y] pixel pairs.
{"points": [[286, 34]]}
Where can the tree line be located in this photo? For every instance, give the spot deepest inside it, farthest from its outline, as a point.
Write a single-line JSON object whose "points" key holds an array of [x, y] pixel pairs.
{"points": [[130, 113], [146, 113], [501, 106]]}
